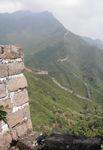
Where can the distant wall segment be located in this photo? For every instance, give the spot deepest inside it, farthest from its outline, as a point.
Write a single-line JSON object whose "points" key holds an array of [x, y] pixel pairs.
{"points": [[13, 93]]}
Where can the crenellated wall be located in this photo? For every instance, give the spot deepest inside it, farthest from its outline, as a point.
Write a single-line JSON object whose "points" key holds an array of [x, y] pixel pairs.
{"points": [[13, 94]]}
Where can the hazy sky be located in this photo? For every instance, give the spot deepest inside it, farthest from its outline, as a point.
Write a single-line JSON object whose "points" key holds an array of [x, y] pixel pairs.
{"points": [[83, 17]]}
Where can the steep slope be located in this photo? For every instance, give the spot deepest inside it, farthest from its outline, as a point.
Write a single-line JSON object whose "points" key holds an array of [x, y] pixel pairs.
{"points": [[84, 65], [53, 109], [49, 46], [56, 110], [34, 32]]}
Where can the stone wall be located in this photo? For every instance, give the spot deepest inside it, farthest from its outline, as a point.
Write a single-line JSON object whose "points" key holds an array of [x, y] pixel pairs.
{"points": [[13, 94]]}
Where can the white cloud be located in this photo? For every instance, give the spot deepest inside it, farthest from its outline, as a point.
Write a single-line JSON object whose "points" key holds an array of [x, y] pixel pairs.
{"points": [[9, 6], [68, 3]]}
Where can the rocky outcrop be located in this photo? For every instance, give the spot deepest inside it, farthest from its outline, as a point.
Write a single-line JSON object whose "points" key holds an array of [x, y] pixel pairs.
{"points": [[70, 142], [13, 94], [35, 141]]}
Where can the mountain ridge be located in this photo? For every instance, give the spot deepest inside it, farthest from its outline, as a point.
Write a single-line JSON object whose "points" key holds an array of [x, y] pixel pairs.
{"points": [[45, 41], [71, 61]]}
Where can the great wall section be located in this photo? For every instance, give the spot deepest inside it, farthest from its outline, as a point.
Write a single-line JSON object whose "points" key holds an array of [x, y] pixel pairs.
{"points": [[18, 128], [13, 94]]}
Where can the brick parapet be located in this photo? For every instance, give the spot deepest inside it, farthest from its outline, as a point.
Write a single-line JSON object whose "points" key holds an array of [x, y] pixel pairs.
{"points": [[13, 94]]}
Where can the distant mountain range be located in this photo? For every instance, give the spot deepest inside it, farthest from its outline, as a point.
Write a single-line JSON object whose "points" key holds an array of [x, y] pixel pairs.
{"points": [[48, 46], [96, 42]]}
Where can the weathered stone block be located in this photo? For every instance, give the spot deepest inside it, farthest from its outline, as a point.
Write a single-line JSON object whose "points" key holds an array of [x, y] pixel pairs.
{"points": [[5, 141], [18, 116], [29, 141], [11, 52], [8, 139], [2, 147], [2, 90], [17, 83], [21, 129], [7, 102], [18, 108], [15, 68], [21, 98], [14, 133], [2, 142], [29, 125], [3, 70]]}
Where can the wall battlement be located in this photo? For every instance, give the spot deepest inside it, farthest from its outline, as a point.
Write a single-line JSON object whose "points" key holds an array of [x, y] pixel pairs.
{"points": [[13, 94]]}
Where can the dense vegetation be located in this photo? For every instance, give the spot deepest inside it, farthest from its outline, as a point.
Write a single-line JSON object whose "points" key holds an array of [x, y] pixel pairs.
{"points": [[55, 110], [3, 113]]}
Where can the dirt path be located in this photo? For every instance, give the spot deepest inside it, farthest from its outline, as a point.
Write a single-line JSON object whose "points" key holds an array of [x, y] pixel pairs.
{"points": [[68, 90]]}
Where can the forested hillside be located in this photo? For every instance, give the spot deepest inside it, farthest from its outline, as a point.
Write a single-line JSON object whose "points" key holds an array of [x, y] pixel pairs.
{"points": [[50, 47], [54, 110]]}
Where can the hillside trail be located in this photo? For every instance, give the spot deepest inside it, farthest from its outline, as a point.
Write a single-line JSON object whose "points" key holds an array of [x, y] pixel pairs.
{"points": [[84, 82], [39, 72], [59, 85], [76, 76], [68, 90]]}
